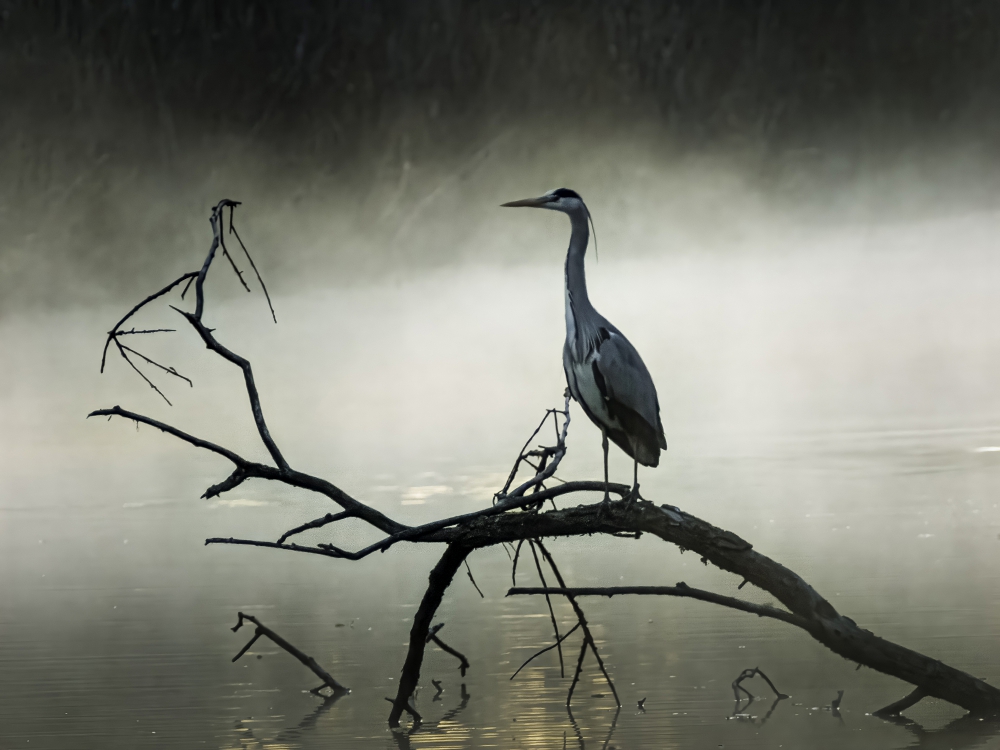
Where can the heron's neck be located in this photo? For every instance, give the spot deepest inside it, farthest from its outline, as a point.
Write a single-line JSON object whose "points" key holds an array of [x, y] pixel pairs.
{"points": [[576, 279], [580, 314]]}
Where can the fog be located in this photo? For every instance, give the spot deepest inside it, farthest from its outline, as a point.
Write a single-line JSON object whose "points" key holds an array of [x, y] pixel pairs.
{"points": [[814, 301]]}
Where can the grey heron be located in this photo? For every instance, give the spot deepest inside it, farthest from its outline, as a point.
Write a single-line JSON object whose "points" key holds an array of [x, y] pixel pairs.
{"points": [[604, 372]]}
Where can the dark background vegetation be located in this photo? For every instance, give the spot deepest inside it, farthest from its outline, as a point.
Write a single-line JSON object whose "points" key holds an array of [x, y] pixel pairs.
{"points": [[122, 121]]}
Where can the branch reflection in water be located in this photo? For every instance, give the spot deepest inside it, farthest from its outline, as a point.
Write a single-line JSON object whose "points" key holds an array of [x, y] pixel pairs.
{"points": [[964, 732], [439, 727], [290, 735], [579, 734]]}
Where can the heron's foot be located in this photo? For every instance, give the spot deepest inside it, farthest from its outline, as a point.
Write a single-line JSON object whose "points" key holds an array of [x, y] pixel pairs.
{"points": [[604, 508], [631, 498]]}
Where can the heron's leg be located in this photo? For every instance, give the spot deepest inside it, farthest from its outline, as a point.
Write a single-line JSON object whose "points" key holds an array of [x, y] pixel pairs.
{"points": [[604, 443], [634, 494]]}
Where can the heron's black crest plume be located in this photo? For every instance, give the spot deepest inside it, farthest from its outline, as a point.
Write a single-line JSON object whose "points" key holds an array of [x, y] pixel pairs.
{"points": [[594, 227], [566, 193]]}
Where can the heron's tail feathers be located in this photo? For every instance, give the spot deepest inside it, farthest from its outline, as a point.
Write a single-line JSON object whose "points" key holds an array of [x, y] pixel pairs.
{"points": [[639, 439]]}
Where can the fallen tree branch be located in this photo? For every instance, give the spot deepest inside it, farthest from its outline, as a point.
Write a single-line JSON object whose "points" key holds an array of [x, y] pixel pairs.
{"points": [[731, 553], [747, 674], [263, 630], [516, 517], [438, 581]]}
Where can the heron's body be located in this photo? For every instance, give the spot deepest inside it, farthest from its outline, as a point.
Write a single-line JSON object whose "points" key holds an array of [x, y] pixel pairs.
{"points": [[604, 372]]}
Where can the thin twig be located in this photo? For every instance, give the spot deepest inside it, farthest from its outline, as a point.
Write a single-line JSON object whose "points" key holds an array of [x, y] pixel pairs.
{"points": [[513, 569], [681, 589], [169, 370], [253, 265], [552, 614], [579, 669], [121, 350], [136, 309], [225, 252], [468, 571], [148, 330], [531, 658], [748, 674], [318, 523], [432, 636], [587, 635]]}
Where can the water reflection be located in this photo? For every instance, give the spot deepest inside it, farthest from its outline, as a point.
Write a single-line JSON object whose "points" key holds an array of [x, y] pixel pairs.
{"points": [[442, 729], [290, 737], [964, 732], [805, 415], [741, 712], [579, 735]]}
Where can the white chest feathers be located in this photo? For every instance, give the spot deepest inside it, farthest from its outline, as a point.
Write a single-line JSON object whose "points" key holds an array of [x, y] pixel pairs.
{"points": [[584, 388]]}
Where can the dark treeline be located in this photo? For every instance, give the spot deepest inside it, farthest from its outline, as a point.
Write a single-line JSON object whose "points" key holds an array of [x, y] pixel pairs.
{"points": [[711, 67], [120, 122]]}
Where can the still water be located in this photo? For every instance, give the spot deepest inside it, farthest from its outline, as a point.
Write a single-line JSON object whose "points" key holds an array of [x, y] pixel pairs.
{"points": [[835, 402]]}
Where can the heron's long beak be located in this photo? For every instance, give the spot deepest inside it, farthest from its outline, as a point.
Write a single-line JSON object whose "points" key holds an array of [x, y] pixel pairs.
{"points": [[528, 202]]}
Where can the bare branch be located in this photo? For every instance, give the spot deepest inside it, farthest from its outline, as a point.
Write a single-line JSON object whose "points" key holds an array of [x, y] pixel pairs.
{"points": [[436, 531], [681, 589], [134, 310], [282, 643], [557, 457], [257, 634], [149, 330], [438, 581], [253, 265], [318, 523], [117, 411], [169, 370], [747, 674], [121, 350], [531, 658], [513, 568], [894, 709], [227, 256], [523, 453], [433, 637], [468, 570], [579, 669], [231, 482], [552, 614], [588, 637]]}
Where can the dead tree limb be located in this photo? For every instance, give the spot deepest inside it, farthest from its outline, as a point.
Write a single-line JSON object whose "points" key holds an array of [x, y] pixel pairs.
{"points": [[307, 660], [748, 674], [433, 637], [515, 517], [439, 580], [894, 709]]}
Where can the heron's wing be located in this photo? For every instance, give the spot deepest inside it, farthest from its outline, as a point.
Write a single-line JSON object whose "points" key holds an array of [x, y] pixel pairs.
{"points": [[626, 384]]}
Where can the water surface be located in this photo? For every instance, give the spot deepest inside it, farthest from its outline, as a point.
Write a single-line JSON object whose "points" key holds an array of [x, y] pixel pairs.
{"points": [[830, 397]]}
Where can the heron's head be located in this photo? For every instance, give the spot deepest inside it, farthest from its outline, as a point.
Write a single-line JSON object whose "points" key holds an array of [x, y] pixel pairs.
{"points": [[560, 199]]}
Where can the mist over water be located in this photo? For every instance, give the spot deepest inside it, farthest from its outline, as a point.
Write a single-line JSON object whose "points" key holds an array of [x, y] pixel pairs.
{"points": [[816, 306]]}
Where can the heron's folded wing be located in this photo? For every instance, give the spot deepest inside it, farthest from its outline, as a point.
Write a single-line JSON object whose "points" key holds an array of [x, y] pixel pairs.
{"points": [[627, 382]]}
